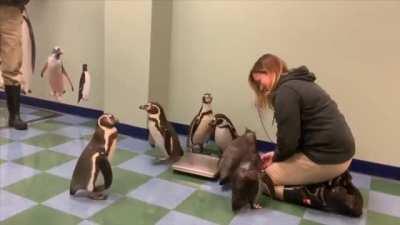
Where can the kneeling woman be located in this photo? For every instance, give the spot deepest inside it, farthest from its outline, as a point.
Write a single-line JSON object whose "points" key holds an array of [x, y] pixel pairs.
{"points": [[315, 145]]}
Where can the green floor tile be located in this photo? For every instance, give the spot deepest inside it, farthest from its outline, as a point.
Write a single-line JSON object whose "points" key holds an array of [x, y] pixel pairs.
{"points": [[374, 218], [121, 156], [44, 113], [208, 206], [42, 215], [90, 123], [44, 160], [212, 149], [308, 222], [285, 207], [47, 140], [365, 195], [387, 186], [129, 211], [125, 181], [5, 141], [1, 161], [49, 125], [155, 152], [185, 179], [87, 137], [40, 187]]}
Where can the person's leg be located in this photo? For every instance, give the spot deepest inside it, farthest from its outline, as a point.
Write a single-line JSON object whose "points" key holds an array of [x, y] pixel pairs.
{"points": [[11, 57], [328, 187], [300, 170]]}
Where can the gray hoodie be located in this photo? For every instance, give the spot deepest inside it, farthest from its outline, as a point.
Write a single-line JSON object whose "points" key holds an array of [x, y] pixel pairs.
{"points": [[309, 121]]}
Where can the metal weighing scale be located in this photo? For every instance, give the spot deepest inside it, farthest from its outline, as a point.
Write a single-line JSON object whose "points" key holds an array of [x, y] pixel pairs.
{"points": [[198, 164]]}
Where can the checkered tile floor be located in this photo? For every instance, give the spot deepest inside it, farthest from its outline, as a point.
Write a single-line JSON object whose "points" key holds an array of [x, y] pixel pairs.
{"points": [[36, 165]]}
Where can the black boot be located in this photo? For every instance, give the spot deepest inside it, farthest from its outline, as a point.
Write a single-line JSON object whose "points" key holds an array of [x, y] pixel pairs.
{"points": [[338, 195], [13, 105]]}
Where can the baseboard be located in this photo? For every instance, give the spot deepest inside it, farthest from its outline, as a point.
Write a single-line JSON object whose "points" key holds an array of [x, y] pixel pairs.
{"points": [[360, 166], [57, 106]]}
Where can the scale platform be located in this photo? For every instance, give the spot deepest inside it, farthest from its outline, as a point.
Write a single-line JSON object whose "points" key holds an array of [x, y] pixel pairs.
{"points": [[198, 164]]}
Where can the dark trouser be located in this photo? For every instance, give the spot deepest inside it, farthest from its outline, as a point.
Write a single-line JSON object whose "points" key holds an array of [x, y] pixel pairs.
{"points": [[13, 104], [338, 195]]}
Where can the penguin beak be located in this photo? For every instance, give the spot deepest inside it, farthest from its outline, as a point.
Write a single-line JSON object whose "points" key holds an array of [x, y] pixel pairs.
{"points": [[213, 123], [143, 107]]}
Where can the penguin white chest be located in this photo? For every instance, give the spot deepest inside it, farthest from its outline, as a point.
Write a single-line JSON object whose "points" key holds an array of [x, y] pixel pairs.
{"points": [[53, 66], [222, 137], [156, 134], [110, 143], [86, 86], [203, 131]]}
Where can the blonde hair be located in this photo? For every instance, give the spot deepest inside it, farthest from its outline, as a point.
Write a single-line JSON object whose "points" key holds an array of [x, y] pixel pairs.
{"points": [[268, 63]]}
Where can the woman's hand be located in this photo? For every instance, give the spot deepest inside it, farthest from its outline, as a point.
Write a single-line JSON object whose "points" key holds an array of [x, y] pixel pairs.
{"points": [[266, 159]]}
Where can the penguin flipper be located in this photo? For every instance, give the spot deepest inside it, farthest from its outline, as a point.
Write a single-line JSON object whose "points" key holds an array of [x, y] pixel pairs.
{"points": [[105, 169], [193, 126], [44, 69], [64, 72], [81, 83], [151, 141]]}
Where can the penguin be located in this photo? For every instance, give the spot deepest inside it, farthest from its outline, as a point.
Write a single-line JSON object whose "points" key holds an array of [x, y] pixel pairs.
{"points": [[241, 166], [224, 131], [241, 150], [200, 129], [92, 173], [84, 84], [248, 185], [56, 72], [161, 132], [28, 53]]}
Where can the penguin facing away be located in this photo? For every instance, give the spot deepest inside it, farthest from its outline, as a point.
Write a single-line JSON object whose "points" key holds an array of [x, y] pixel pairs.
{"points": [[240, 150], [161, 133], [241, 166], [56, 73], [200, 129], [224, 131], [84, 84], [92, 173]]}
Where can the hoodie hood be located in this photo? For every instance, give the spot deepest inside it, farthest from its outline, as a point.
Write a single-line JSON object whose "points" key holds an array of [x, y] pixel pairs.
{"points": [[300, 73]]}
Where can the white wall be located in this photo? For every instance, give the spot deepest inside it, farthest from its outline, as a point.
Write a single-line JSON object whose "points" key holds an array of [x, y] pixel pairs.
{"points": [[352, 46], [127, 59], [78, 28]]}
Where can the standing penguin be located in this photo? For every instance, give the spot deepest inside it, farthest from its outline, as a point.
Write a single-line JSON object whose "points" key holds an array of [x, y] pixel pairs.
{"points": [[84, 84], [93, 172], [28, 53], [241, 166], [240, 150], [200, 129], [161, 132], [224, 130], [56, 72]]}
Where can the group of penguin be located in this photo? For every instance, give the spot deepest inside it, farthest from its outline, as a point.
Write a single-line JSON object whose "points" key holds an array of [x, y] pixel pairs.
{"points": [[239, 164], [205, 125], [92, 176]]}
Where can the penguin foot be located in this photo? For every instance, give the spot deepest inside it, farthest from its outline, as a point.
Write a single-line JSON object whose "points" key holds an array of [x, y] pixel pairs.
{"points": [[98, 196], [256, 206]]}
